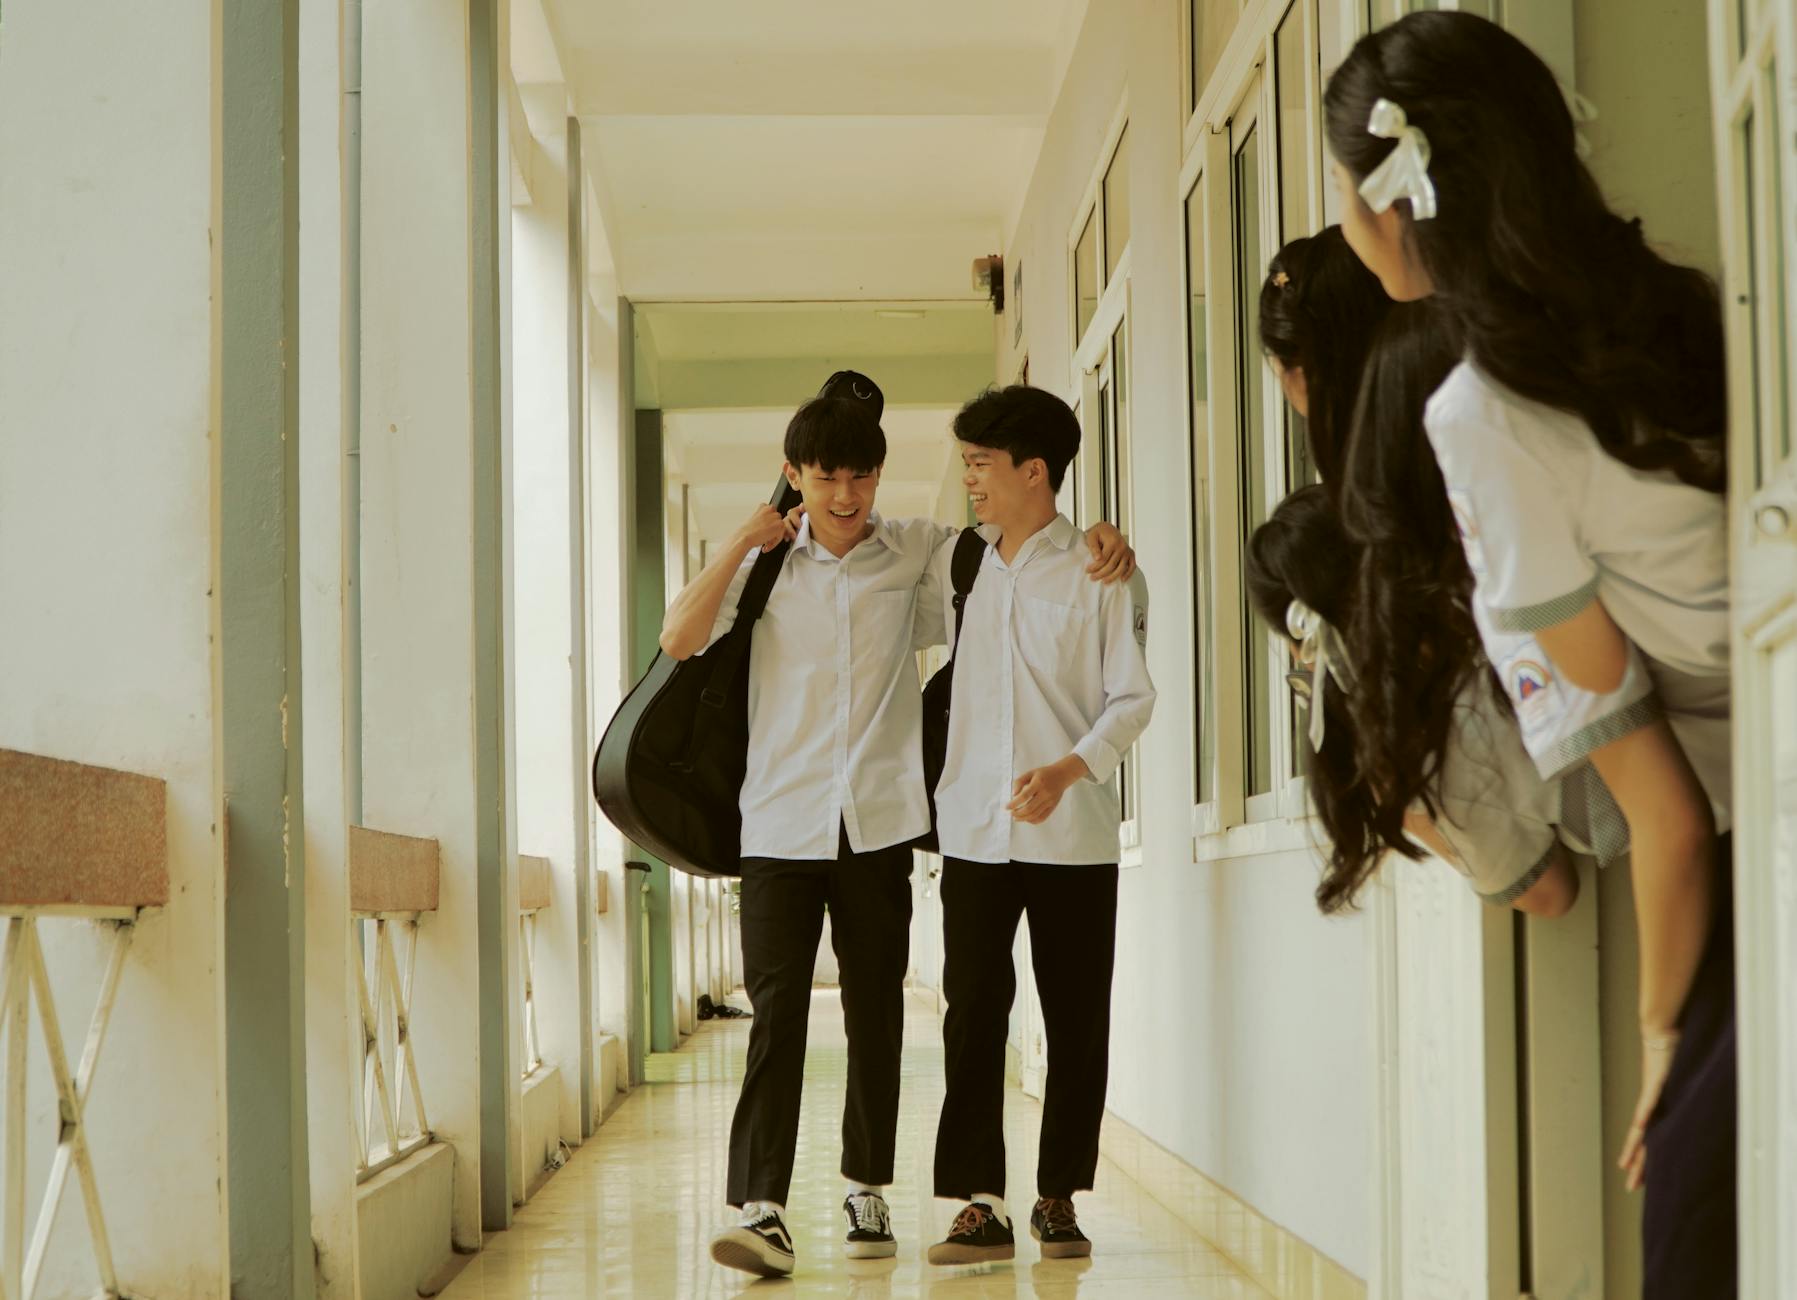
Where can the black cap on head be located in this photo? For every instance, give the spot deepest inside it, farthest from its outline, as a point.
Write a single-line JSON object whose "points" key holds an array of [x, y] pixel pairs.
{"points": [[855, 386]]}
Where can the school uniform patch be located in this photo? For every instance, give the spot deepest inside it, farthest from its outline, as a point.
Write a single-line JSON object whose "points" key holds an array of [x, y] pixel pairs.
{"points": [[1141, 627], [1461, 503], [1535, 693]]}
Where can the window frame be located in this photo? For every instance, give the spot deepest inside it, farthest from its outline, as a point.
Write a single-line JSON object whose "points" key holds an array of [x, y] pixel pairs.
{"points": [[1091, 207], [1243, 95], [1091, 366]]}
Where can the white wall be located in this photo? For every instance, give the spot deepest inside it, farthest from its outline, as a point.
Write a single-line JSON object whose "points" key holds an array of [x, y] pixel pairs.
{"points": [[417, 552], [1241, 1031], [106, 562], [607, 381], [333, 1021], [551, 809]]}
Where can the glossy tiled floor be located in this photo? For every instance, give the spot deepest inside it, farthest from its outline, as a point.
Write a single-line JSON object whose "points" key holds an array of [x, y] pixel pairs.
{"points": [[633, 1213]]}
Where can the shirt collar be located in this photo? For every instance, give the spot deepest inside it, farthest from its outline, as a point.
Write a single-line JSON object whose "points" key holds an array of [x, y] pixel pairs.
{"points": [[1060, 532], [882, 534]]}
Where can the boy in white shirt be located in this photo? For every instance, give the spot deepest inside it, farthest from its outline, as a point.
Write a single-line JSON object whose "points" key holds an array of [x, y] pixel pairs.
{"points": [[1051, 690], [831, 803]]}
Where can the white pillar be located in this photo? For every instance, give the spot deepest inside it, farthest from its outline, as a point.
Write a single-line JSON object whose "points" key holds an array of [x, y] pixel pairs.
{"points": [[418, 569], [333, 1030], [551, 810], [608, 381], [106, 541]]}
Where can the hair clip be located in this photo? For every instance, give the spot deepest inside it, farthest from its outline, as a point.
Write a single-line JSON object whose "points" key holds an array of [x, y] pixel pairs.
{"points": [[1281, 279], [1320, 650], [1405, 172]]}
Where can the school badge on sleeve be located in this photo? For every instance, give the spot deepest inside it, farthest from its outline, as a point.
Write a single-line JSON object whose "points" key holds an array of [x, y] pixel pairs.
{"points": [[1142, 626], [1533, 690]]}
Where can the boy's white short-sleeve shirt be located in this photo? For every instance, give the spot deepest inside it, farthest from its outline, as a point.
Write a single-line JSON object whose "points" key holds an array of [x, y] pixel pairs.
{"points": [[835, 709], [1550, 522], [1049, 664]]}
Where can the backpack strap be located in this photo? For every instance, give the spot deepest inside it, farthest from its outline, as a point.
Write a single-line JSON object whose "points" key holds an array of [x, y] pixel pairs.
{"points": [[963, 572], [726, 656]]}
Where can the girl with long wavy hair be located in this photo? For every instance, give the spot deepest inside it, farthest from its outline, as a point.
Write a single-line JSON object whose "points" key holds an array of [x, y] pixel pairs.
{"points": [[1581, 441], [1489, 815]]}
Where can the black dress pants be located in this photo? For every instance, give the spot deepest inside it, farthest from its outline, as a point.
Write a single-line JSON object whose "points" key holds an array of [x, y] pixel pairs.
{"points": [[869, 900], [1073, 938], [1688, 1212]]}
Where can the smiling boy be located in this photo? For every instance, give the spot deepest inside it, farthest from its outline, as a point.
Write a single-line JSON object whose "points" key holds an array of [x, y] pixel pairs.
{"points": [[832, 801], [1051, 689]]}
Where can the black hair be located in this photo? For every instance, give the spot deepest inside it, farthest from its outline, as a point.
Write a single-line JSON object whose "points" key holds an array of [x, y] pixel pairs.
{"points": [[1559, 299], [1029, 423], [1412, 639], [1303, 553], [835, 433], [1319, 307]]}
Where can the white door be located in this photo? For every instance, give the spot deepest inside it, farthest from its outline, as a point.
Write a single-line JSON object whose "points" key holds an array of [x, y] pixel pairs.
{"points": [[1753, 59]]}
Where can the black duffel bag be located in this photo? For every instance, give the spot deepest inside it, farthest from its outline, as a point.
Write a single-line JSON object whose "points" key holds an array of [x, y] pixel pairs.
{"points": [[668, 772]]}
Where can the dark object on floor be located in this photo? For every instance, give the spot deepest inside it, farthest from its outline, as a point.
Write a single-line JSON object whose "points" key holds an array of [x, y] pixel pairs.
{"points": [[709, 1010]]}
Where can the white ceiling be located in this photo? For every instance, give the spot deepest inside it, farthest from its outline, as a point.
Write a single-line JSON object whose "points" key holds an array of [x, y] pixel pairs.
{"points": [[798, 149]]}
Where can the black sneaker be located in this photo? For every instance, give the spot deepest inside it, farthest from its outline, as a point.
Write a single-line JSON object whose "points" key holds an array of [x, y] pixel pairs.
{"points": [[759, 1244], [870, 1227], [978, 1236], [1054, 1224]]}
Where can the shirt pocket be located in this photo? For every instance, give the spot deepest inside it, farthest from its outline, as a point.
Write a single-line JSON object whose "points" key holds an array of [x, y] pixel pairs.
{"points": [[1049, 633], [881, 622]]}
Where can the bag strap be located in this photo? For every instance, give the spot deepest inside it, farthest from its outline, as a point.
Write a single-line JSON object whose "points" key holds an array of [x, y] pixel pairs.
{"points": [[963, 572], [728, 653]]}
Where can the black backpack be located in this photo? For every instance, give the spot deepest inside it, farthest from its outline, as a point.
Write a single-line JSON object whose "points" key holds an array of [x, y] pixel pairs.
{"points": [[669, 770], [938, 693]]}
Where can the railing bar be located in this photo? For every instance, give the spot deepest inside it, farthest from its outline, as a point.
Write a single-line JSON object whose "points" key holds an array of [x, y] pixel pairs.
{"points": [[374, 1086], [388, 1161], [405, 1029], [14, 1011], [84, 1074], [365, 1112], [74, 1133], [383, 952]]}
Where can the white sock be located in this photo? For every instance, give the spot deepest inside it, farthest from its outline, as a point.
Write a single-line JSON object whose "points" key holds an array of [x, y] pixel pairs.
{"points": [[866, 1189], [753, 1210], [997, 1203]]}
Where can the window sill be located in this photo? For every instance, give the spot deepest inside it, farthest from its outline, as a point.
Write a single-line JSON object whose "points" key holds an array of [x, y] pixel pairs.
{"points": [[1256, 839], [1129, 839]]}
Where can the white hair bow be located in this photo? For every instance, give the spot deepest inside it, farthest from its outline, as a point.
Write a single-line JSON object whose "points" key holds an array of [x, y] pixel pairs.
{"points": [[1405, 172], [1320, 649]]}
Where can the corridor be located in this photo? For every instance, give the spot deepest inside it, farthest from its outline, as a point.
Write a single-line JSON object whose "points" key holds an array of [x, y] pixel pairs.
{"points": [[632, 1214]]}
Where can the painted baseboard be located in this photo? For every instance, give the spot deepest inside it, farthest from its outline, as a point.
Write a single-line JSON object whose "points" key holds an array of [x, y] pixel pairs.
{"points": [[1280, 1262]]}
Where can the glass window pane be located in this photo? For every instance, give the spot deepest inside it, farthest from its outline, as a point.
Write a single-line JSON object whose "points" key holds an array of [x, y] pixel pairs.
{"points": [[1085, 276], [1213, 22], [1749, 200], [1116, 207], [1257, 761], [1107, 471], [1197, 332], [1781, 315], [1295, 115], [1124, 489]]}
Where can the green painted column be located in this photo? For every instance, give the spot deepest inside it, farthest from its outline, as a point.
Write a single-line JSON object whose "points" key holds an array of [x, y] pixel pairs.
{"points": [[497, 918], [649, 598], [256, 595]]}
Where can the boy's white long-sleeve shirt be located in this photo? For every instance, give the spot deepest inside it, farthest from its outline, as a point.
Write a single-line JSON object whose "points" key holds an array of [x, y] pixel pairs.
{"points": [[1049, 664]]}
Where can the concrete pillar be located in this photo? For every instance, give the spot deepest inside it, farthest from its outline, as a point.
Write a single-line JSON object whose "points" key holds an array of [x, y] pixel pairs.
{"points": [[433, 633], [259, 721], [107, 119], [550, 723]]}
